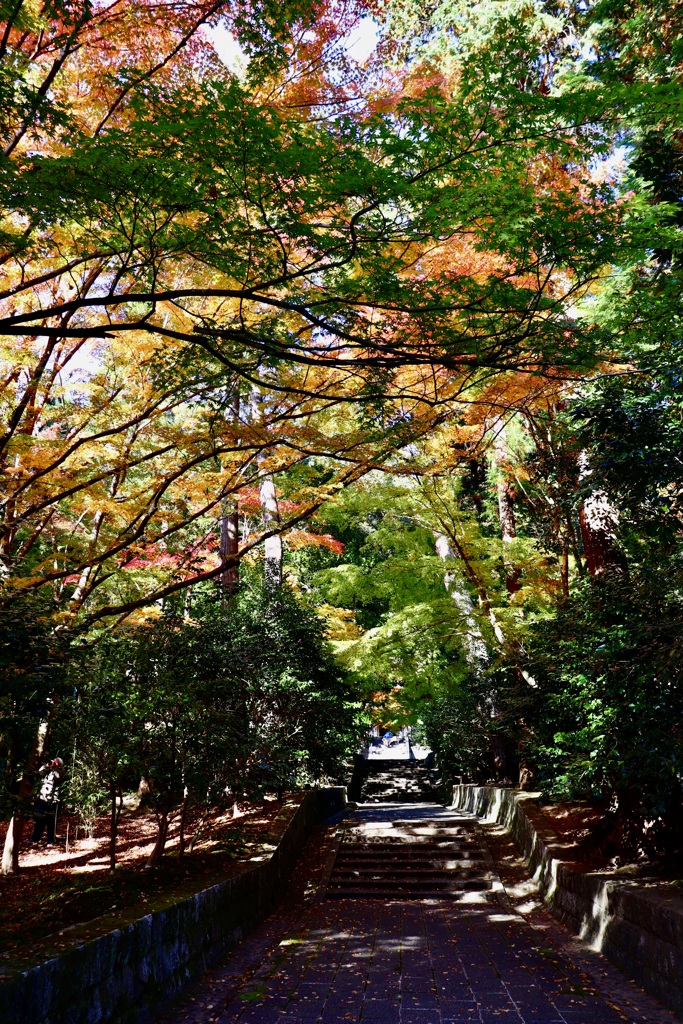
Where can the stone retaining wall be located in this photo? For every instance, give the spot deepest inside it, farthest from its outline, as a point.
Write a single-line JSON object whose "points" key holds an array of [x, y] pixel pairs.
{"points": [[127, 975], [358, 777], [639, 928]]}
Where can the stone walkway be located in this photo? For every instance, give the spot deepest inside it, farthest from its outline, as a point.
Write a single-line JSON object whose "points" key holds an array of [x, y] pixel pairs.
{"points": [[468, 959]]}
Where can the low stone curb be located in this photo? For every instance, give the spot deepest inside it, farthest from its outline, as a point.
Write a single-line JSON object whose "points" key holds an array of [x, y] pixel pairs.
{"points": [[639, 928], [127, 975]]}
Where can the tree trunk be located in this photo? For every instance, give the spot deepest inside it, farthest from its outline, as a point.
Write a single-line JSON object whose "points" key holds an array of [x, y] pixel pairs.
{"points": [[504, 759], [113, 827], [80, 593], [597, 520], [230, 532], [10, 763], [273, 545], [574, 543], [564, 568], [229, 549], [159, 846], [10, 856], [144, 791], [506, 511], [187, 604], [183, 819], [269, 506], [450, 546], [476, 652], [199, 830]]}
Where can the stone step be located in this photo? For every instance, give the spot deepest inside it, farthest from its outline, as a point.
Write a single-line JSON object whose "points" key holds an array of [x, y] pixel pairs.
{"points": [[384, 778], [414, 850], [404, 792], [440, 839], [383, 880], [412, 894], [402, 795], [424, 859], [397, 797], [420, 856], [409, 786], [400, 781], [465, 874], [413, 854], [400, 884], [413, 890], [397, 764], [421, 833], [393, 779], [378, 872], [393, 773], [425, 778], [453, 862], [420, 875], [384, 798], [448, 857], [396, 776], [398, 786], [347, 864], [443, 849]]}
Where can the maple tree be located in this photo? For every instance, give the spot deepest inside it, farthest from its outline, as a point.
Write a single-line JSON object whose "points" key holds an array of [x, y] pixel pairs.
{"points": [[256, 259], [233, 303]]}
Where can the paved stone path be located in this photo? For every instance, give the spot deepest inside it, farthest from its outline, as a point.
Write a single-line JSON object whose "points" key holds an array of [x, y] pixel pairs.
{"points": [[470, 959]]}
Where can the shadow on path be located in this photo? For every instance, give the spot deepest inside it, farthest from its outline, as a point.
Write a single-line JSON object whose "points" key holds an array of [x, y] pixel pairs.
{"points": [[468, 959]]}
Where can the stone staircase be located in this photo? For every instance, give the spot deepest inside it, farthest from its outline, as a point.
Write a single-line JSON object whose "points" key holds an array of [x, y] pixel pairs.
{"points": [[438, 865], [400, 843], [401, 782]]}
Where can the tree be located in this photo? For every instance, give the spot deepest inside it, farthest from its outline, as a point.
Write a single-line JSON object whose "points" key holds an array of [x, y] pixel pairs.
{"points": [[106, 726], [258, 258], [31, 671], [210, 710], [228, 298]]}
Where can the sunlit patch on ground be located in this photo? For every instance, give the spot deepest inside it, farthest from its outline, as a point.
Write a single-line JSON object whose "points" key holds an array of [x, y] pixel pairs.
{"points": [[466, 960], [70, 882]]}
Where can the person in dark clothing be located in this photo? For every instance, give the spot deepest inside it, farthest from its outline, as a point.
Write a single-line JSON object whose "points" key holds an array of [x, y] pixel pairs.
{"points": [[45, 812]]}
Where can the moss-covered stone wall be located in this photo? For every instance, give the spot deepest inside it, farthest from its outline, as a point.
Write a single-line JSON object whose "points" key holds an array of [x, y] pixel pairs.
{"points": [[638, 926], [127, 975]]}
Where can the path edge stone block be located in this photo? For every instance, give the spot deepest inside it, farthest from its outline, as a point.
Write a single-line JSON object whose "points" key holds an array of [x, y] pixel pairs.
{"points": [[128, 975], [639, 929]]}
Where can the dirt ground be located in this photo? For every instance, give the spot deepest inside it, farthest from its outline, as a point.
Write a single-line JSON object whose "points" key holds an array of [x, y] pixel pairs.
{"points": [[58, 886], [583, 829], [578, 826]]}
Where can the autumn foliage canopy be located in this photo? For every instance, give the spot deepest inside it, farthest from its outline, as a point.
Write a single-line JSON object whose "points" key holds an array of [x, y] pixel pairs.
{"points": [[258, 291]]}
